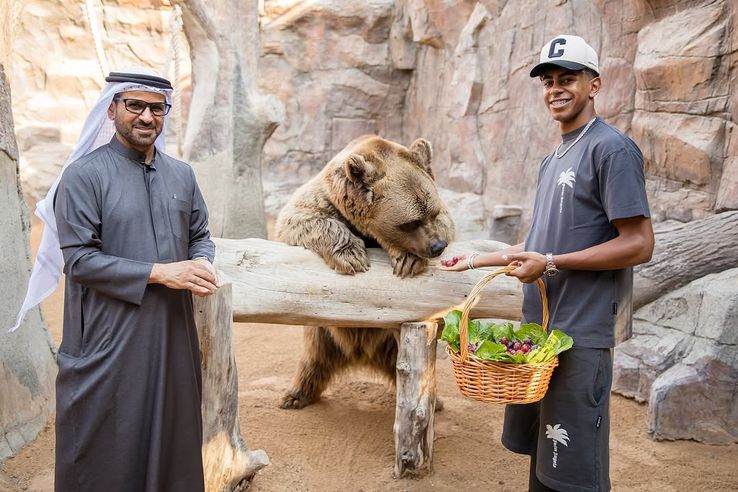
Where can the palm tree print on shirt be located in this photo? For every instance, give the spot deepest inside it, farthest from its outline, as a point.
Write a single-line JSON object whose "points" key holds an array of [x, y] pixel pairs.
{"points": [[558, 435], [566, 178]]}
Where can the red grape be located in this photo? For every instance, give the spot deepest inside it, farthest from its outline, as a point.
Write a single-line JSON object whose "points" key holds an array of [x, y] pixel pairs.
{"points": [[451, 262]]}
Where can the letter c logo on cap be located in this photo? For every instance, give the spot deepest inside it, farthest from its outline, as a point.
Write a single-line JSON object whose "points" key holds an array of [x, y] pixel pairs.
{"points": [[552, 51]]}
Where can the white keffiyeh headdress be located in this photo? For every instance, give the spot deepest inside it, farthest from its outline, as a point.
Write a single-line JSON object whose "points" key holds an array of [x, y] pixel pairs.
{"points": [[97, 130]]}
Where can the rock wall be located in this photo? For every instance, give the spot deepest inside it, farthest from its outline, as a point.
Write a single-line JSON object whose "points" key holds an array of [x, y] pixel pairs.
{"points": [[27, 365], [340, 72], [57, 77], [457, 74], [329, 63], [683, 117]]}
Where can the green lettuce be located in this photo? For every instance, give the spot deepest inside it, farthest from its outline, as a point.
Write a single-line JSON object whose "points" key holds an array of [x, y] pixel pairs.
{"points": [[558, 341], [485, 336], [451, 329], [491, 351], [534, 331]]}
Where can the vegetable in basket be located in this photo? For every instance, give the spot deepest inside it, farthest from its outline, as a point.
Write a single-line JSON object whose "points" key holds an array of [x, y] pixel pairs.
{"points": [[501, 342]]}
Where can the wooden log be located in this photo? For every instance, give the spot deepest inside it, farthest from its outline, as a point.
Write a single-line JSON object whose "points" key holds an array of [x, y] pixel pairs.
{"points": [[227, 461], [685, 253], [416, 398], [277, 283]]}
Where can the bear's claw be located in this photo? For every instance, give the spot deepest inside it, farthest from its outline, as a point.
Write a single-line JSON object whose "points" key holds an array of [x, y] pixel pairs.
{"points": [[408, 265], [349, 260]]}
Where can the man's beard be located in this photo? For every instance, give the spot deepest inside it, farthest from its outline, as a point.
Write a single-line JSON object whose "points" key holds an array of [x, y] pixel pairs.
{"points": [[128, 133]]}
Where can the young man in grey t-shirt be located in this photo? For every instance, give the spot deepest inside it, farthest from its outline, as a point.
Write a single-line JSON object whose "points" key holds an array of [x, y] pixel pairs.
{"points": [[590, 225]]}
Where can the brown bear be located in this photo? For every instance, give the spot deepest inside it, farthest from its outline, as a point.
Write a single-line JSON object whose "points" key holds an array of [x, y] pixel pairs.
{"points": [[373, 191]]}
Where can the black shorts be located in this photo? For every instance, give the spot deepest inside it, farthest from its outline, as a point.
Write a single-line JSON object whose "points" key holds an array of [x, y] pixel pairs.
{"points": [[569, 430]]}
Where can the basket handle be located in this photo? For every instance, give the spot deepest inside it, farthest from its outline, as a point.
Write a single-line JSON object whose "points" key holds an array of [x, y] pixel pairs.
{"points": [[474, 297]]}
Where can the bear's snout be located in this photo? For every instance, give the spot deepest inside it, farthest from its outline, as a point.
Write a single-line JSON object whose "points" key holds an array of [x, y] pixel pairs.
{"points": [[437, 248]]}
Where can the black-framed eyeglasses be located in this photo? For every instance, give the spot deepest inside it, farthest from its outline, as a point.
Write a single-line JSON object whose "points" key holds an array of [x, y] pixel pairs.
{"points": [[137, 106]]}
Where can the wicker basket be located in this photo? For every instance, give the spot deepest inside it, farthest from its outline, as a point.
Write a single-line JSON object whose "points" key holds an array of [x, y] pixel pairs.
{"points": [[498, 382]]}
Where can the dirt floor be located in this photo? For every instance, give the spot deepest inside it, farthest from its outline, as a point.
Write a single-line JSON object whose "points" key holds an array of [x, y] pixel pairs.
{"points": [[345, 443]]}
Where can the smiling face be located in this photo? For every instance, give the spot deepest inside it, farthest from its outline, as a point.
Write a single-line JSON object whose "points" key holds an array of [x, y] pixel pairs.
{"points": [[138, 131], [569, 96]]}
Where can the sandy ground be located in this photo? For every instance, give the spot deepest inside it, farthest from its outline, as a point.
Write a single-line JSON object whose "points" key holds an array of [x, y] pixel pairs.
{"points": [[345, 443]]}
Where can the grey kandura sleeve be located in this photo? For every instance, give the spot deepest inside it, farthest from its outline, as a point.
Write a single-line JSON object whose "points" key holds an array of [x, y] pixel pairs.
{"points": [[200, 242]]}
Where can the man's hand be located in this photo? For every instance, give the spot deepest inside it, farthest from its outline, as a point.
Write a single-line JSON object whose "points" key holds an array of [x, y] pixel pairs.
{"points": [[530, 265], [197, 276], [210, 268]]}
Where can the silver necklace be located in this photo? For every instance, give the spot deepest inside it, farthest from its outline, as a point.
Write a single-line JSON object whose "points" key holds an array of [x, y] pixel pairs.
{"points": [[581, 134]]}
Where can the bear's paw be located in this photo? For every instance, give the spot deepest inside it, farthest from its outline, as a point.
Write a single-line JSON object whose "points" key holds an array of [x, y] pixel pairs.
{"points": [[350, 259], [295, 400], [408, 265]]}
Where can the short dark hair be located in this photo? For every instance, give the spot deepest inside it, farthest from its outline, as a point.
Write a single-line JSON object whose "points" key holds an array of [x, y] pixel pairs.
{"points": [[587, 71], [592, 74]]}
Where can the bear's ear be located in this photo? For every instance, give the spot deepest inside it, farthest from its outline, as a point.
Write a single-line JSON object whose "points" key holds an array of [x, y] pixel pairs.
{"points": [[422, 150], [360, 172]]}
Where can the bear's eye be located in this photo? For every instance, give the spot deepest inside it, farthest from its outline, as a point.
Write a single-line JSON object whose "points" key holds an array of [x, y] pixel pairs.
{"points": [[410, 226]]}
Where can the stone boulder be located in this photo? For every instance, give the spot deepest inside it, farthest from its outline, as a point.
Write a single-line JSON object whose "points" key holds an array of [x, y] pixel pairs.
{"points": [[56, 75], [681, 99], [683, 360]]}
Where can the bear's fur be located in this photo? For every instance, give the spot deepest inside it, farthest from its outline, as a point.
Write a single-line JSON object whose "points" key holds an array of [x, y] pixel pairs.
{"points": [[373, 190]]}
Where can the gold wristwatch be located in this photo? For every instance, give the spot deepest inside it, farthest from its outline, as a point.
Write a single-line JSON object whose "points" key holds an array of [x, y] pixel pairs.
{"points": [[551, 269]]}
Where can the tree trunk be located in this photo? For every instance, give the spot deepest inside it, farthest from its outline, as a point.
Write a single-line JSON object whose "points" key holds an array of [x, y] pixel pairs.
{"points": [[416, 397], [226, 459], [277, 283], [229, 121], [685, 253]]}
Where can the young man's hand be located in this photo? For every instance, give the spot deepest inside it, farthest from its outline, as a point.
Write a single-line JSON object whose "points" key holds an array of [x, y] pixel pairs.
{"points": [[530, 265], [466, 261], [458, 263], [197, 276]]}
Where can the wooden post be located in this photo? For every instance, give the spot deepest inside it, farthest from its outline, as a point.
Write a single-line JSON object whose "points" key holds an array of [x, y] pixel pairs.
{"points": [[416, 397], [227, 461]]}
